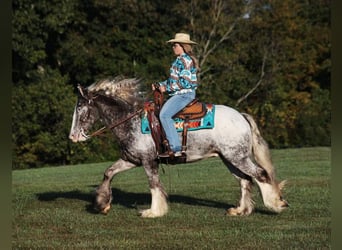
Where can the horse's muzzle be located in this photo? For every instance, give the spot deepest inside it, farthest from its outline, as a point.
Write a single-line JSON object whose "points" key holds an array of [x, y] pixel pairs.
{"points": [[78, 137]]}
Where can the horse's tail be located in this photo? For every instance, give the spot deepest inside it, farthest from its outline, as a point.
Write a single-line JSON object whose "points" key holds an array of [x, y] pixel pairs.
{"points": [[260, 148]]}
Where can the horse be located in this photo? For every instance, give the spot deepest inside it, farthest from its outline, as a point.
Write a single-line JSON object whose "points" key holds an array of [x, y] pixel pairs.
{"points": [[235, 138]]}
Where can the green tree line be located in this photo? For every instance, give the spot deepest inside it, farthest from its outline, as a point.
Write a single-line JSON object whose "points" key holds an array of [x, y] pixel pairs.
{"points": [[268, 58]]}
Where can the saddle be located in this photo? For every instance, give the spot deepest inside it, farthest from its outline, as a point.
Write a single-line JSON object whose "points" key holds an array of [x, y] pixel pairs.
{"points": [[194, 110]]}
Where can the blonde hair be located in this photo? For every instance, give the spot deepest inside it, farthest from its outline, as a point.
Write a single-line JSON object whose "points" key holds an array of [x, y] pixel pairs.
{"points": [[188, 50]]}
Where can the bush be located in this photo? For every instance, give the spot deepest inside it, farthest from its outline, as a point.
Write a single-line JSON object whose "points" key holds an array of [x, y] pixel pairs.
{"points": [[42, 114]]}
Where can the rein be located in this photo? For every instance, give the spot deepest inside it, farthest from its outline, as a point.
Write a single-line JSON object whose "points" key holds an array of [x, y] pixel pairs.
{"points": [[107, 128], [158, 100]]}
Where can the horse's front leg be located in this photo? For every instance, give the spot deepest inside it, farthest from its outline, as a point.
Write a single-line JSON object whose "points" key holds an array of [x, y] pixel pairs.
{"points": [[103, 194], [159, 205]]}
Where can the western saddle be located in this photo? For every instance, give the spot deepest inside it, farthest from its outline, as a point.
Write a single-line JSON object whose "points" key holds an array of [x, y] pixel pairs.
{"points": [[194, 110]]}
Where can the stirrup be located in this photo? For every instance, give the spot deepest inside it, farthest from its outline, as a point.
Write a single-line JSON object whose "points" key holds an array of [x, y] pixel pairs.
{"points": [[170, 154], [165, 154]]}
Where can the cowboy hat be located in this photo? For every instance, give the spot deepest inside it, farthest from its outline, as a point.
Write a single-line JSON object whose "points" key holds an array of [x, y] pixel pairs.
{"points": [[181, 38]]}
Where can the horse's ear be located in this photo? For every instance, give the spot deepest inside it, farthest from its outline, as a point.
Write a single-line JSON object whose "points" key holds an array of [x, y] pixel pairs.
{"points": [[82, 91]]}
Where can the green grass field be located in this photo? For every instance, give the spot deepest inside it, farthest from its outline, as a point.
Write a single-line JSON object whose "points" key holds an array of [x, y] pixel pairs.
{"points": [[52, 208]]}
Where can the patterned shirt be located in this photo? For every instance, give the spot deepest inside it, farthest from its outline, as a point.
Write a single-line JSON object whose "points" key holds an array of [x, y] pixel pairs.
{"points": [[182, 76]]}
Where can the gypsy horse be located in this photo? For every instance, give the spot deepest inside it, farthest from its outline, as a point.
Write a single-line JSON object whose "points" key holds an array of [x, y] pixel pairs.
{"points": [[235, 138]]}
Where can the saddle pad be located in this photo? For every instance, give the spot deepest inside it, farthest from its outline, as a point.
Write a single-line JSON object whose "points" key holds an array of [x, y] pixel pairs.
{"points": [[206, 122]]}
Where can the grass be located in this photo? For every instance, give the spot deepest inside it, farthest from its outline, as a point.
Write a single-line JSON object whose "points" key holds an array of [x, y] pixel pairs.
{"points": [[52, 208]]}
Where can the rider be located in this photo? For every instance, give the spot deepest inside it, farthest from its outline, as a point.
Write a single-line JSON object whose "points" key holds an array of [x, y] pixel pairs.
{"points": [[181, 87]]}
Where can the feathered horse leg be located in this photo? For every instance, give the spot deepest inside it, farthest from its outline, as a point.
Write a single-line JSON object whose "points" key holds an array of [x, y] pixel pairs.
{"points": [[103, 196], [270, 188], [159, 206], [246, 204]]}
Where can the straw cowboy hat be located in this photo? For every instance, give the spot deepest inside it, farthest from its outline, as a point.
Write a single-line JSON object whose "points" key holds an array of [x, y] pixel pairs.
{"points": [[181, 38]]}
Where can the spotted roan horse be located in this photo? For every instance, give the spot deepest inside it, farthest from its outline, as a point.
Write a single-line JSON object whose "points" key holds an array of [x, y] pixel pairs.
{"points": [[235, 138]]}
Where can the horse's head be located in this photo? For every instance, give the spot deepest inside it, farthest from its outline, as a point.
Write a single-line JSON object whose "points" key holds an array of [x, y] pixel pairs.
{"points": [[85, 115], [108, 99]]}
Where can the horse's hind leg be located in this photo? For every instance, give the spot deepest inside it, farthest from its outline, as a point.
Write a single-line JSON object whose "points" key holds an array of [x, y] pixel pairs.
{"points": [[246, 204], [270, 189], [159, 206]]}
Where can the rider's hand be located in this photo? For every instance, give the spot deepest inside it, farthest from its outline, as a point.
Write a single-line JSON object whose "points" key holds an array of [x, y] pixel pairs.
{"points": [[162, 88], [155, 86]]}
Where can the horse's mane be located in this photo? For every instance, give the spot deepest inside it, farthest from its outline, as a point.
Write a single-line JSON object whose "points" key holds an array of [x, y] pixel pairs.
{"points": [[127, 89]]}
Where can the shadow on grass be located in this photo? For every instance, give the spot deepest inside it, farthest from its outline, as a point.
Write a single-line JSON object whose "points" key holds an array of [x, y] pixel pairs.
{"points": [[133, 200], [72, 195]]}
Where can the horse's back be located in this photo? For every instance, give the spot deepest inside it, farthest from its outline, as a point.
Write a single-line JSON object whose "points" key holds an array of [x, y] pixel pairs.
{"points": [[231, 135], [230, 122]]}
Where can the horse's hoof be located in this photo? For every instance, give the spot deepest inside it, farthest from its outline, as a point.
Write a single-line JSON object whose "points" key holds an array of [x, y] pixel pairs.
{"points": [[147, 213], [105, 210], [233, 212], [238, 212]]}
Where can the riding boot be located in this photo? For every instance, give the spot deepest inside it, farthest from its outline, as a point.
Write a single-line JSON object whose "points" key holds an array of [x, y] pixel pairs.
{"points": [[169, 152]]}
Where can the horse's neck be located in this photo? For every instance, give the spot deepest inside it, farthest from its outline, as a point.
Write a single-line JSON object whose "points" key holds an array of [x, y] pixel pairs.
{"points": [[125, 126], [112, 115]]}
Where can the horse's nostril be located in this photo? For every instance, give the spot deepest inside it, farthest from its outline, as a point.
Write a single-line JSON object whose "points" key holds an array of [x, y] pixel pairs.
{"points": [[285, 204]]}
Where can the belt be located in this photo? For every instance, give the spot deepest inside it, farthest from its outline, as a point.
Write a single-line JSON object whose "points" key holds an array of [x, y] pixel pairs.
{"points": [[183, 91]]}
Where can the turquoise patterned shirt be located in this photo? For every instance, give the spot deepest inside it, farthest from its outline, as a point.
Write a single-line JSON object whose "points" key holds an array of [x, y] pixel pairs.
{"points": [[182, 76]]}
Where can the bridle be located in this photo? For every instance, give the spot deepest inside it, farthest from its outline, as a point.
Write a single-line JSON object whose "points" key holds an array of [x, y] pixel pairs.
{"points": [[111, 126], [158, 100]]}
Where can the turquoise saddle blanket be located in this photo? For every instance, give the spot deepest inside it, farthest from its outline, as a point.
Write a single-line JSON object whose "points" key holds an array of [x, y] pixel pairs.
{"points": [[206, 122]]}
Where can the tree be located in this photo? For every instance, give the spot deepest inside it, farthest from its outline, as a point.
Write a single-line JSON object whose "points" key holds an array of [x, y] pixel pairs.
{"points": [[40, 112], [267, 58], [42, 115]]}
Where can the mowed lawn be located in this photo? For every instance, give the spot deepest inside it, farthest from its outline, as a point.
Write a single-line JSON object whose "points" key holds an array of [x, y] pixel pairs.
{"points": [[52, 207]]}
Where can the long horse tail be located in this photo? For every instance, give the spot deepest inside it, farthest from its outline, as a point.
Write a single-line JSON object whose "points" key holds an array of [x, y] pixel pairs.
{"points": [[260, 148]]}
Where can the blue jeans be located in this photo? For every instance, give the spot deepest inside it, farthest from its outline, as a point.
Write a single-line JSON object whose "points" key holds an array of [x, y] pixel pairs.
{"points": [[172, 106]]}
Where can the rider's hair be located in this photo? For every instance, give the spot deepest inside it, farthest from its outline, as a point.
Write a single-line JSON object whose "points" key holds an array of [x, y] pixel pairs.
{"points": [[188, 50]]}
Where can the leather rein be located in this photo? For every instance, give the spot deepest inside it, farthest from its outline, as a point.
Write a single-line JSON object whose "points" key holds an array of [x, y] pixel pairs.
{"points": [[158, 100], [108, 128]]}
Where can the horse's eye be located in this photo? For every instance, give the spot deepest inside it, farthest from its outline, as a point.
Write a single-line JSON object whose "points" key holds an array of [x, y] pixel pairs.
{"points": [[84, 116]]}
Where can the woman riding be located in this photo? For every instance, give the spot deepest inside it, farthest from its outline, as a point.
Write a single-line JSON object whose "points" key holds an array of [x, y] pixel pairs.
{"points": [[180, 86]]}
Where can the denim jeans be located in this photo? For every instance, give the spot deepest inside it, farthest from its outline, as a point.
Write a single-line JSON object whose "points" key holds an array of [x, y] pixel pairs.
{"points": [[172, 106]]}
